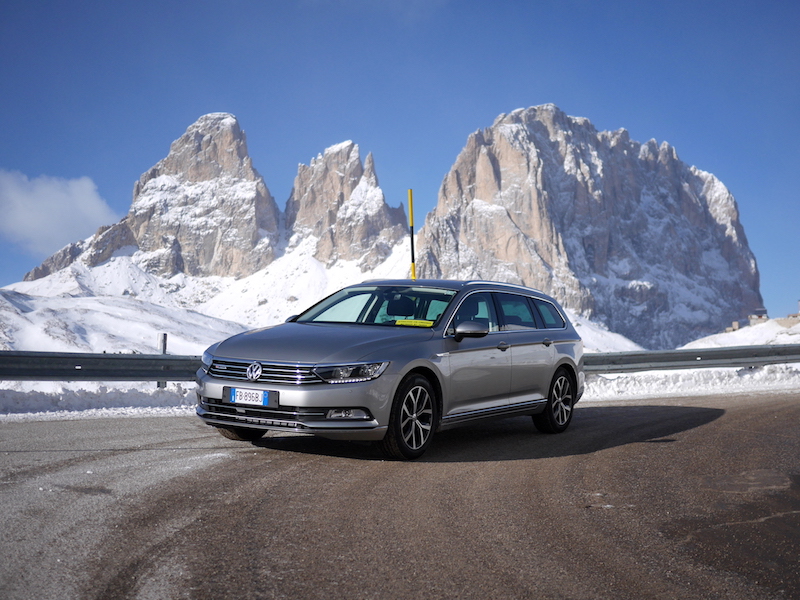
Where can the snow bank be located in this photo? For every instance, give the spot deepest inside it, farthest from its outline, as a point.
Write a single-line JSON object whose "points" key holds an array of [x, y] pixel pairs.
{"points": [[54, 401], [692, 382], [704, 382]]}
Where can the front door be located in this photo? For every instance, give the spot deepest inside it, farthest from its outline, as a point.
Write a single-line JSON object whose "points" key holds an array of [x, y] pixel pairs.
{"points": [[480, 368]]}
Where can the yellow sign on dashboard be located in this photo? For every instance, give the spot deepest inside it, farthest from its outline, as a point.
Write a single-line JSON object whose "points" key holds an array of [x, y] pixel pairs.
{"points": [[414, 322]]}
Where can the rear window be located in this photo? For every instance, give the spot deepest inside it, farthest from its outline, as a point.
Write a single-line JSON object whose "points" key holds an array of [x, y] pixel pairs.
{"points": [[550, 315]]}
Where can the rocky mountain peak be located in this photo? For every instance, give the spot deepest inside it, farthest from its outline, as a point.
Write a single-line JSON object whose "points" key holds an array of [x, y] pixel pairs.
{"points": [[622, 232], [212, 147], [202, 210], [321, 187]]}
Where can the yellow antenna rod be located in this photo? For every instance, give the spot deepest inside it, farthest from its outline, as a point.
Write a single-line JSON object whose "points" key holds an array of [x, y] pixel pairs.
{"points": [[411, 227]]}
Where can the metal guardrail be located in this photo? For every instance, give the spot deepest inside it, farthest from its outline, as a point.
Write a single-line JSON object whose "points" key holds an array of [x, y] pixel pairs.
{"points": [[69, 366], [66, 366], [731, 356]]}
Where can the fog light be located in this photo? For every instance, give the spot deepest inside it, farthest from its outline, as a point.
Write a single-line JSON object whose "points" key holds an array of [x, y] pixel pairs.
{"points": [[348, 413]]}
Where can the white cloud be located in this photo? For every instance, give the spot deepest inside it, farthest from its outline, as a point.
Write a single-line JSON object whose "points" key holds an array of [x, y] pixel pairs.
{"points": [[44, 214]]}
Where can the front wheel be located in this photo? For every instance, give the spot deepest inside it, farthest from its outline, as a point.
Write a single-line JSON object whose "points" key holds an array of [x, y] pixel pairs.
{"points": [[557, 413], [413, 419]]}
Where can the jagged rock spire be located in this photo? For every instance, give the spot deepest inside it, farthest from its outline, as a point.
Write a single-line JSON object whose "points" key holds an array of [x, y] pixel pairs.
{"points": [[337, 199]]}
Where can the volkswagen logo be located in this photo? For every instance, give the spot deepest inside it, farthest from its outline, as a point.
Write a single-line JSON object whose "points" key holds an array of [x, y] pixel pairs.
{"points": [[254, 371]]}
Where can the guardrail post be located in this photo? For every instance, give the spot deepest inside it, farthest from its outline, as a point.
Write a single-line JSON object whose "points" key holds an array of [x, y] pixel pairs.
{"points": [[162, 346]]}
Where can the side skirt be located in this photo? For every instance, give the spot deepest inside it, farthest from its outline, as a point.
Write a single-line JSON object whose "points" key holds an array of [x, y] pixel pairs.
{"points": [[523, 408]]}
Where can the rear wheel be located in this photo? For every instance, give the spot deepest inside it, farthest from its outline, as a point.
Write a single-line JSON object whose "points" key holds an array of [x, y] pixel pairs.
{"points": [[557, 413], [241, 434], [413, 420]]}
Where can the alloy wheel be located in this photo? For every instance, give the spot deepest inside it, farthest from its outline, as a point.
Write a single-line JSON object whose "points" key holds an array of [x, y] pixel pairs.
{"points": [[562, 400], [416, 417]]}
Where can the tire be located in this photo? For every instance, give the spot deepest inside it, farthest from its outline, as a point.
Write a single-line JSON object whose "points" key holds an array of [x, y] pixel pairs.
{"points": [[241, 434], [557, 413], [413, 421]]}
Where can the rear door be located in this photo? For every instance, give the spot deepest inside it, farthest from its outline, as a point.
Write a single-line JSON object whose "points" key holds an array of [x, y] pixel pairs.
{"points": [[532, 351]]}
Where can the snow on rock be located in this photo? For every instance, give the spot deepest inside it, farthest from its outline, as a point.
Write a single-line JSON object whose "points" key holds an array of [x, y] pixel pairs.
{"points": [[202, 210], [337, 200]]}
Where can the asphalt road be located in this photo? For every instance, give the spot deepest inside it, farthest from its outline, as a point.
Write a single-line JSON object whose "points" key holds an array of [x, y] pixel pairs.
{"points": [[675, 498]]}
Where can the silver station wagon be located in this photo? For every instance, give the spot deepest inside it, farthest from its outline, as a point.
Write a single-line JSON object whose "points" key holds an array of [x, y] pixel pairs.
{"points": [[395, 362]]}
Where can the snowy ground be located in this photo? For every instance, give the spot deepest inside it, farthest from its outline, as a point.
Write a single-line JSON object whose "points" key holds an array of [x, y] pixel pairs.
{"points": [[119, 308]]}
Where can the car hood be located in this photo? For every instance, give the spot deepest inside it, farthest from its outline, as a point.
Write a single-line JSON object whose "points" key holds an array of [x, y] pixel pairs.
{"points": [[317, 343]]}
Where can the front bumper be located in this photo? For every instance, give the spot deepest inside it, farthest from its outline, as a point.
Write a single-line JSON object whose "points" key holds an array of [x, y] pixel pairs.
{"points": [[300, 408]]}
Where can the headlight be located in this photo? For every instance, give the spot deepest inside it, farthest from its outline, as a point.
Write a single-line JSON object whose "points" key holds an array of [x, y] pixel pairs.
{"points": [[350, 373], [207, 359]]}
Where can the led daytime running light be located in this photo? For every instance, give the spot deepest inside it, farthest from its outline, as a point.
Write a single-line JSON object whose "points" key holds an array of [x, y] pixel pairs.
{"points": [[350, 373]]}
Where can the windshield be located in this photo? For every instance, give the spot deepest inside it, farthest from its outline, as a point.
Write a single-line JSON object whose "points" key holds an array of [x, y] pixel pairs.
{"points": [[382, 305]]}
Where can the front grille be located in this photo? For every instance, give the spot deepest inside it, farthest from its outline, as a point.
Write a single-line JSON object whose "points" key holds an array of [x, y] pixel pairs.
{"points": [[287, 418], [270, 372]]}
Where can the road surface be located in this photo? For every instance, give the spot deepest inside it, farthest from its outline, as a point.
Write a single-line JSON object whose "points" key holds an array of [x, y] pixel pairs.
{"points": [[671, 498]]}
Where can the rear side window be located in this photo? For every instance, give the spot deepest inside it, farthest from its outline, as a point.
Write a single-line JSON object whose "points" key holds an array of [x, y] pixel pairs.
{"points": [[550, 315], [516, 311]]}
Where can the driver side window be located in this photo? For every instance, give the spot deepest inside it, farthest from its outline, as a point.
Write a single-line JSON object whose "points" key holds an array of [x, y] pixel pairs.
{"points": [[477, 307]]}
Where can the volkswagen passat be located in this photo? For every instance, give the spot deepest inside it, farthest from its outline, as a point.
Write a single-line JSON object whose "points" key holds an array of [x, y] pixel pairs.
{"points": [[395, 362]]}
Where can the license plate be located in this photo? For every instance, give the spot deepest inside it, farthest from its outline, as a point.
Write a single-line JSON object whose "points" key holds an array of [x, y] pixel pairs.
{"points": [[252, 397]]}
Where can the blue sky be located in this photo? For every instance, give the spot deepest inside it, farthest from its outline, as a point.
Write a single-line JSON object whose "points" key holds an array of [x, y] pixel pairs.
{"points": [[94, 92]]}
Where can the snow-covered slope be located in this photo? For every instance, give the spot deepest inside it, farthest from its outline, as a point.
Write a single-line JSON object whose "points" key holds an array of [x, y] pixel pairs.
{"points": [[118, 307], [767, 333], [597, 338], [82, 309], [104, 324]]}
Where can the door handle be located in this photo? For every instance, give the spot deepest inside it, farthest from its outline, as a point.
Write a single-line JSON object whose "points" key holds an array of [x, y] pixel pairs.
{"points": [[502, 346], [547, 342]]}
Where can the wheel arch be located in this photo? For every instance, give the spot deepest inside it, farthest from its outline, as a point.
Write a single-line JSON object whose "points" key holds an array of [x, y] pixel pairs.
{"points": [[433, 378], [572, 373]]}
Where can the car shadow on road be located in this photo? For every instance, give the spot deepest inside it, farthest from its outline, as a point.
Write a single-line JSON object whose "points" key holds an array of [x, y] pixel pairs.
{"points": [[592, 429]]}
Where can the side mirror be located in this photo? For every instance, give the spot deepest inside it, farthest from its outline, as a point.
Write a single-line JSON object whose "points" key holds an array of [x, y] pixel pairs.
{"points": [[470, 329], [291, 319]]}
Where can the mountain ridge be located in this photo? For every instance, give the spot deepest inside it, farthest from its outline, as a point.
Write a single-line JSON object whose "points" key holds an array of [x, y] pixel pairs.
{"points": [[538, 198]]}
